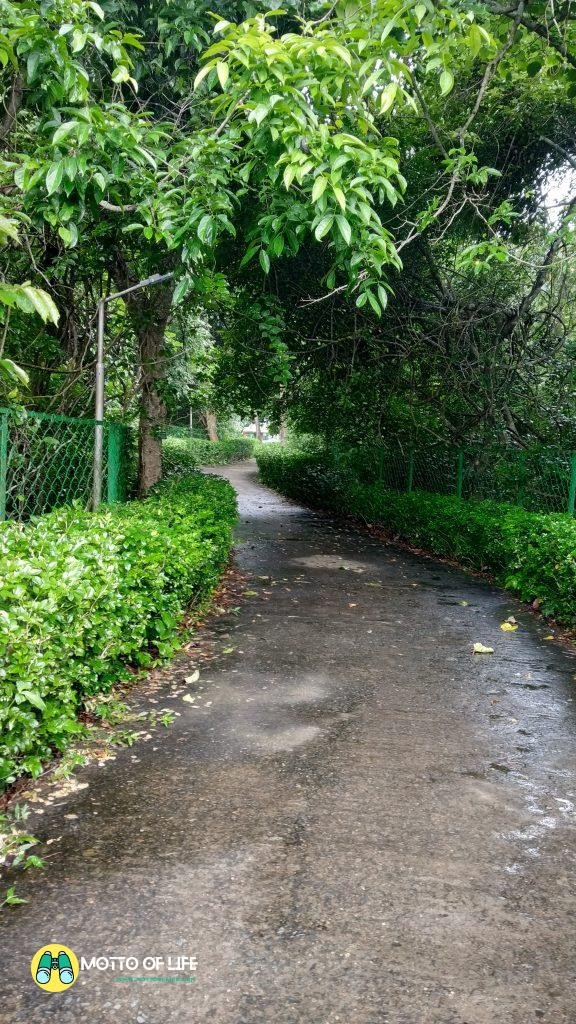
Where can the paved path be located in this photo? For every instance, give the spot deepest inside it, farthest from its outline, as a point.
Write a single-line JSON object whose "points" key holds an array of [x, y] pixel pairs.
{"points": [[366, 825]]}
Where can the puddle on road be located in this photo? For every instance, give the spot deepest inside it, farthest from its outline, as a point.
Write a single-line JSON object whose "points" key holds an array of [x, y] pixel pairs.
{"points": [[321, 561], [283, 739]]}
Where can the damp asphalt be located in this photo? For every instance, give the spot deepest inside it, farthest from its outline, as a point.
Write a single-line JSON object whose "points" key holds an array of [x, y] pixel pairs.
{"points": [[355, 819]]}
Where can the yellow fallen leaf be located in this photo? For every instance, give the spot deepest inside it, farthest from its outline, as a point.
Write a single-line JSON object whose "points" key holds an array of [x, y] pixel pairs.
{"points": [[188, 698], [509, 627], [551, 637], [481, 649]]}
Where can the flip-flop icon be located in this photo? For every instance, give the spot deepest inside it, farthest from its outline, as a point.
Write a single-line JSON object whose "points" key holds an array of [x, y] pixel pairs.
{"points": [[44, 969], [65, 968]]}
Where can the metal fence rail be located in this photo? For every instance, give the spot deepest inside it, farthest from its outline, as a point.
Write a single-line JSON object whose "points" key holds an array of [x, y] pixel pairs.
{"points": [[537, 479], [46, 461]]}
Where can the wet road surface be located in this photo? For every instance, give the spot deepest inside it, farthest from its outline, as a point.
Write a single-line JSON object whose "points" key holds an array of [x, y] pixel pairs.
{"points": [[358, 821]]}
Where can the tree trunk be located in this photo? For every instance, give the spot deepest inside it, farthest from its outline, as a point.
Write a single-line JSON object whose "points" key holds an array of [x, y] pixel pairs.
{"points": [[211, 424], [149, 312], [11, 109], [152, 407], [283, 431], [258, 428]]}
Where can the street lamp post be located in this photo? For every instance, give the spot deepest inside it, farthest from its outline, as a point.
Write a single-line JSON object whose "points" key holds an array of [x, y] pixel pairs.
{"points": [[99, 402]]}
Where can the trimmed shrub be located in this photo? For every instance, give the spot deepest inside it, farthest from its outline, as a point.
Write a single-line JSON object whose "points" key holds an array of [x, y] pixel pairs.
{"points": [[180, 455], [533, 554], [82, 595]]}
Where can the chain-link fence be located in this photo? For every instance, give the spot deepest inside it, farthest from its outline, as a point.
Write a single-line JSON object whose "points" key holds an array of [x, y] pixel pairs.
{"points": [[47, 461], [539, 479]]}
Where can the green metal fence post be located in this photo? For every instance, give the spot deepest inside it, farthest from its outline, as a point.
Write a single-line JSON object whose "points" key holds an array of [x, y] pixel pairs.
{"points": [[572, 487], [459, 474], [114, 452], [3, 461], [410, 473]]}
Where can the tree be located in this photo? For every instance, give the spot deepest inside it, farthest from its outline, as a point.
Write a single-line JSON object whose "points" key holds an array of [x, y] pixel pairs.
{"points": [[325, 171]]}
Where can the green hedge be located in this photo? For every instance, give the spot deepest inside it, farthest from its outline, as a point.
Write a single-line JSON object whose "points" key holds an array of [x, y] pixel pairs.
{"points": [[533, 554], [182, 454], [84, 594]]}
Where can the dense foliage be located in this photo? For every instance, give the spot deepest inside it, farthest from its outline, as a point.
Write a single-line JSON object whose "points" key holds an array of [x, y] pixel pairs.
{"points": [[180, 455], [84, 594], [532, 554], [367, 208]]}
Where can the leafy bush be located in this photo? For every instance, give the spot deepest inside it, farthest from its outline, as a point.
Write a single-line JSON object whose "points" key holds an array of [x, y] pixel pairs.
{"points": [[83, 594], [178, 457], [180, 454], [533, 554]]}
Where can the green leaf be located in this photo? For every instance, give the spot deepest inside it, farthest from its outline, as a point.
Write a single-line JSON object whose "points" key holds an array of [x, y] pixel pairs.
{"points": [[205, 230], [69, 235], [8, 228], [387, 97], [323, 227], [42, 303], [264, 261], [343, 53], [344, 228], [420, 12], [202, 75], [373, 302], [340, 197], [32, 63], [11, 899], [446, 82], [34, 699], [289, 175], [11, 369], [223, 72], [78, 40], [121, 74], [54, 177], [97, 9], [63, 131], [319, 188], [259, 113]]}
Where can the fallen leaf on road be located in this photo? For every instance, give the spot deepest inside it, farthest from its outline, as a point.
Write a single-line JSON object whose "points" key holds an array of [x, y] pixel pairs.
{"points": [[549, 637], [481, 649], [193, 678], [188, 698], [509, 627]]}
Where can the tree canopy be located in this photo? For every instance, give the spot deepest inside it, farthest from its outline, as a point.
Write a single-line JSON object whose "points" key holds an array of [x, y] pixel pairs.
{"points": [[367, 210]]}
